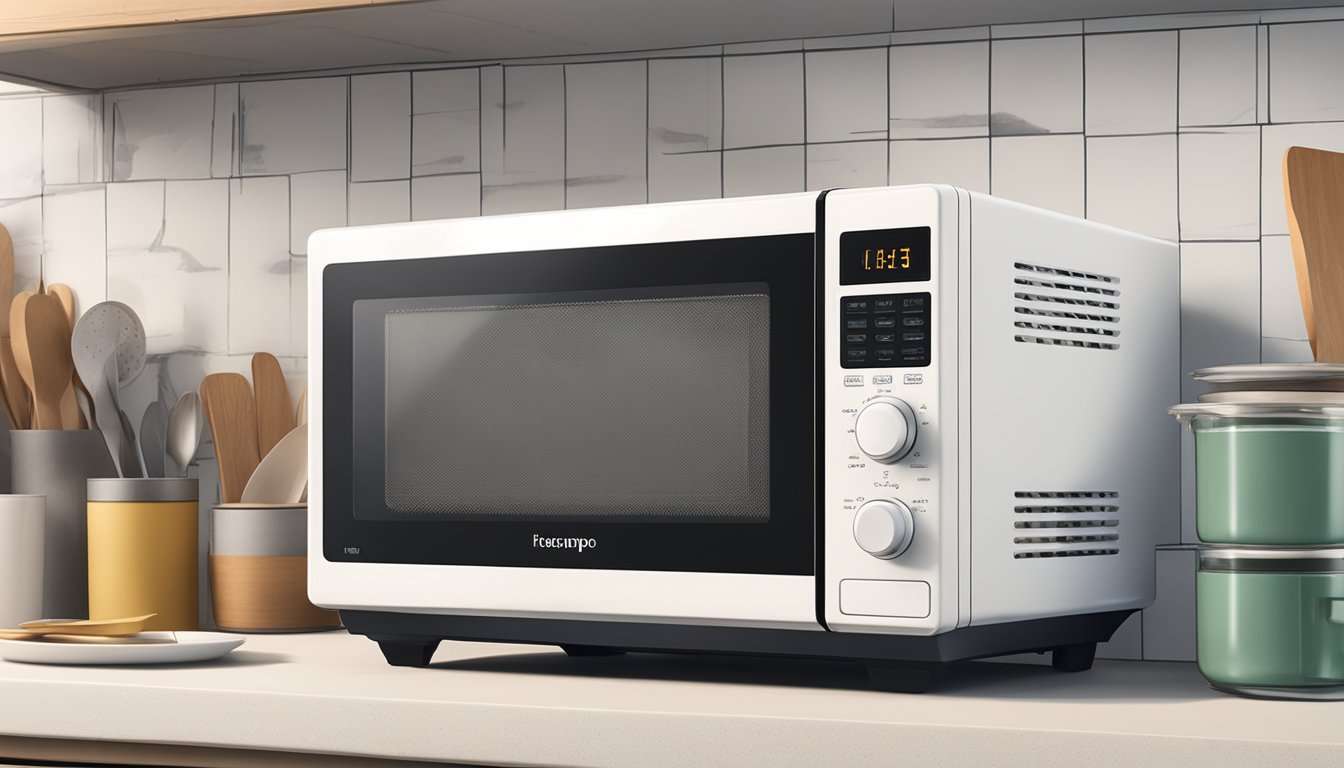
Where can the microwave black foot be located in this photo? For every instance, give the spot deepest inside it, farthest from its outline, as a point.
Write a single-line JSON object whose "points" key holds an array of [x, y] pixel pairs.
{"points": [[414, 652], [900, 678], [1074, 658], [590, 650]]}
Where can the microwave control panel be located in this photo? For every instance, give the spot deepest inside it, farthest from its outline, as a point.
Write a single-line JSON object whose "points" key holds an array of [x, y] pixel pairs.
{"points": [[890, 538], [885, 331]]}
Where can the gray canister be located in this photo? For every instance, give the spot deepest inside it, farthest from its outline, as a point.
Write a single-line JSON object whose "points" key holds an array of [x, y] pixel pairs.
{"points": [[56, 463]]}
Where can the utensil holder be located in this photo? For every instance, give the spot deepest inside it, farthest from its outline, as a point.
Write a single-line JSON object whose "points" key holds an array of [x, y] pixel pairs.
{"points": [[259, 570], [56, 464], [21, 531], [143, 550]]}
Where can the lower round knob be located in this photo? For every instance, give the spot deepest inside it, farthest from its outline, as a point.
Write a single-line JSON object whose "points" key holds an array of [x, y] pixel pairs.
{"points": [[883, 528]]}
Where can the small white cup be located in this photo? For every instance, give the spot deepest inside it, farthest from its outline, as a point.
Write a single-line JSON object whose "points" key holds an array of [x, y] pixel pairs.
{"points": [[21, 542]]}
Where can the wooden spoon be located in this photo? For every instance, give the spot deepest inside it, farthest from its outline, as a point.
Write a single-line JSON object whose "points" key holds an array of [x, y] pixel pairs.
{"points": [[48, 351], [72, 415], [9, 374], [18, 324], [1313, 181], [232, 413], [275, 411]]}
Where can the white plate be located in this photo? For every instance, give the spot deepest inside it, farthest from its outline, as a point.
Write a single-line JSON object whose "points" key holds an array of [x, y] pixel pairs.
{"points": [[1277, 397], [1302, 375], [190, 646]]}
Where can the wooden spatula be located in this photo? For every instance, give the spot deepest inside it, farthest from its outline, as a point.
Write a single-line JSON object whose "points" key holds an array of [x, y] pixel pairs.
{"points": [[1313, 182], [48, 341], [9, 374], [232, 413], [23, 363], [275, 411]]}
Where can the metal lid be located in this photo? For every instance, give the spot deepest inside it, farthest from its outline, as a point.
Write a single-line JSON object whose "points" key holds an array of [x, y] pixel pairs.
{"points": [[150, 489], [1271, 560], [1313, 375], [1275, 397], [1290, 410]]}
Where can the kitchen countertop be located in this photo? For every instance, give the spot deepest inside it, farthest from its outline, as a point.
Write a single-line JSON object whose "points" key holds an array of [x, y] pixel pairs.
{"points": [[480, 704]]}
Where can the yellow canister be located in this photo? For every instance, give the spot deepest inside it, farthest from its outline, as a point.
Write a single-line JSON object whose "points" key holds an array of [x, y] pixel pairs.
{"points": [[143, 550]]}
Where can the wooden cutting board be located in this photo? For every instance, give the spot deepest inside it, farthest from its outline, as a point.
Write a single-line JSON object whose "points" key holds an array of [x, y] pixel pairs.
{"points": [[1313, 182]]}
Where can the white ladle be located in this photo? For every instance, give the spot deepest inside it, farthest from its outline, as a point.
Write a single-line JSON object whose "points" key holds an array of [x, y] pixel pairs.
{"points": [[108, 348]]}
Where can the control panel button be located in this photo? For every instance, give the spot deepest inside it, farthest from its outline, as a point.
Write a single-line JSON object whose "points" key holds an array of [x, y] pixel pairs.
{"points": [[884, 338], [856, 325], [856, 338], [885, 354], [911, 321], [884, 304], [856, 306], [886, 322], [856, 355], [885, 429], [884, 528]]}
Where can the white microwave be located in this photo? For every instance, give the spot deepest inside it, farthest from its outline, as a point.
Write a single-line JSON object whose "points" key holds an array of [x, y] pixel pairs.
{"points": [[904, 426]]}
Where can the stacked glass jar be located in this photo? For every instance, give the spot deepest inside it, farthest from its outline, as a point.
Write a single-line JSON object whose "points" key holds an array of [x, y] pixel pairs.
{"points": [[1269, 507]]}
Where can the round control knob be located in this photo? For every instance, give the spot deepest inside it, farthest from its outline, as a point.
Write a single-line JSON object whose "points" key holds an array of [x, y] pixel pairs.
{"points": [[885, 429], [884, 528]]}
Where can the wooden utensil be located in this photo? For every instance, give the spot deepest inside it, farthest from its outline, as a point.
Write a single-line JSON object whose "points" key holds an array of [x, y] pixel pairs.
{"points": [[119, 627], [282, 476], [72, 415], [1313, 181], [48, 351], [11, 387], [232, 413], [18, 327], [275, 411]]}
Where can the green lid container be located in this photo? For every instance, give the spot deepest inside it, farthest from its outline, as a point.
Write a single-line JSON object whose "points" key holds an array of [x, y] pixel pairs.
{"points": [[1270, 622], [1268, 474]]}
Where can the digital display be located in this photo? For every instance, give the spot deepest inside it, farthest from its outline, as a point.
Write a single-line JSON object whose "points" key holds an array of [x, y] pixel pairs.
{"points": [[885, 256]]}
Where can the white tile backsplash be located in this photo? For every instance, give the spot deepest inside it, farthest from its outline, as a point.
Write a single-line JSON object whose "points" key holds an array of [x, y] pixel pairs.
{"points": [[1220, 300], [259, 266], [1169, 623], [21, 135], [380, 202], [75, 241], [446, 197], [850, 164], [224, 155], [762, 100], [293, 126], [846, 94], [939, 91], [380, 126], [1045, 171], [168, 258], [1130, 83], [23, 218], [163, 133], [530, 172], [316, 201], [1276, 141], [1304, 81], [960, 162], [765, 171], [71, 151], [1218, 76], [1220, 184], [1131, 183], [1081, 123], [1036, 86], [606, 134], [1281, 315], [445, 122]]}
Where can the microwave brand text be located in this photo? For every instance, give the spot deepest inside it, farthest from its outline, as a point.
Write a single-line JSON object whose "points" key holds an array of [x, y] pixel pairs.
{"points": [[572, 542]]}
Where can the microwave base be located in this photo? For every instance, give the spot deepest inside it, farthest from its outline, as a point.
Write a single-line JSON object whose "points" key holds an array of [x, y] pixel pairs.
{"points": [[898, 663]]}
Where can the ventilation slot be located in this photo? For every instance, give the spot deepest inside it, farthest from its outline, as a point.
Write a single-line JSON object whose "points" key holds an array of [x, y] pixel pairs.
{"points": [[1066, 524], [1066, 294]]}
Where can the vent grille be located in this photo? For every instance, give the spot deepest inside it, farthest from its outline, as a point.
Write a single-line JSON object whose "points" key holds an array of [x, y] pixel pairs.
{"points": [[1066, 524], [1083, 297]]}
